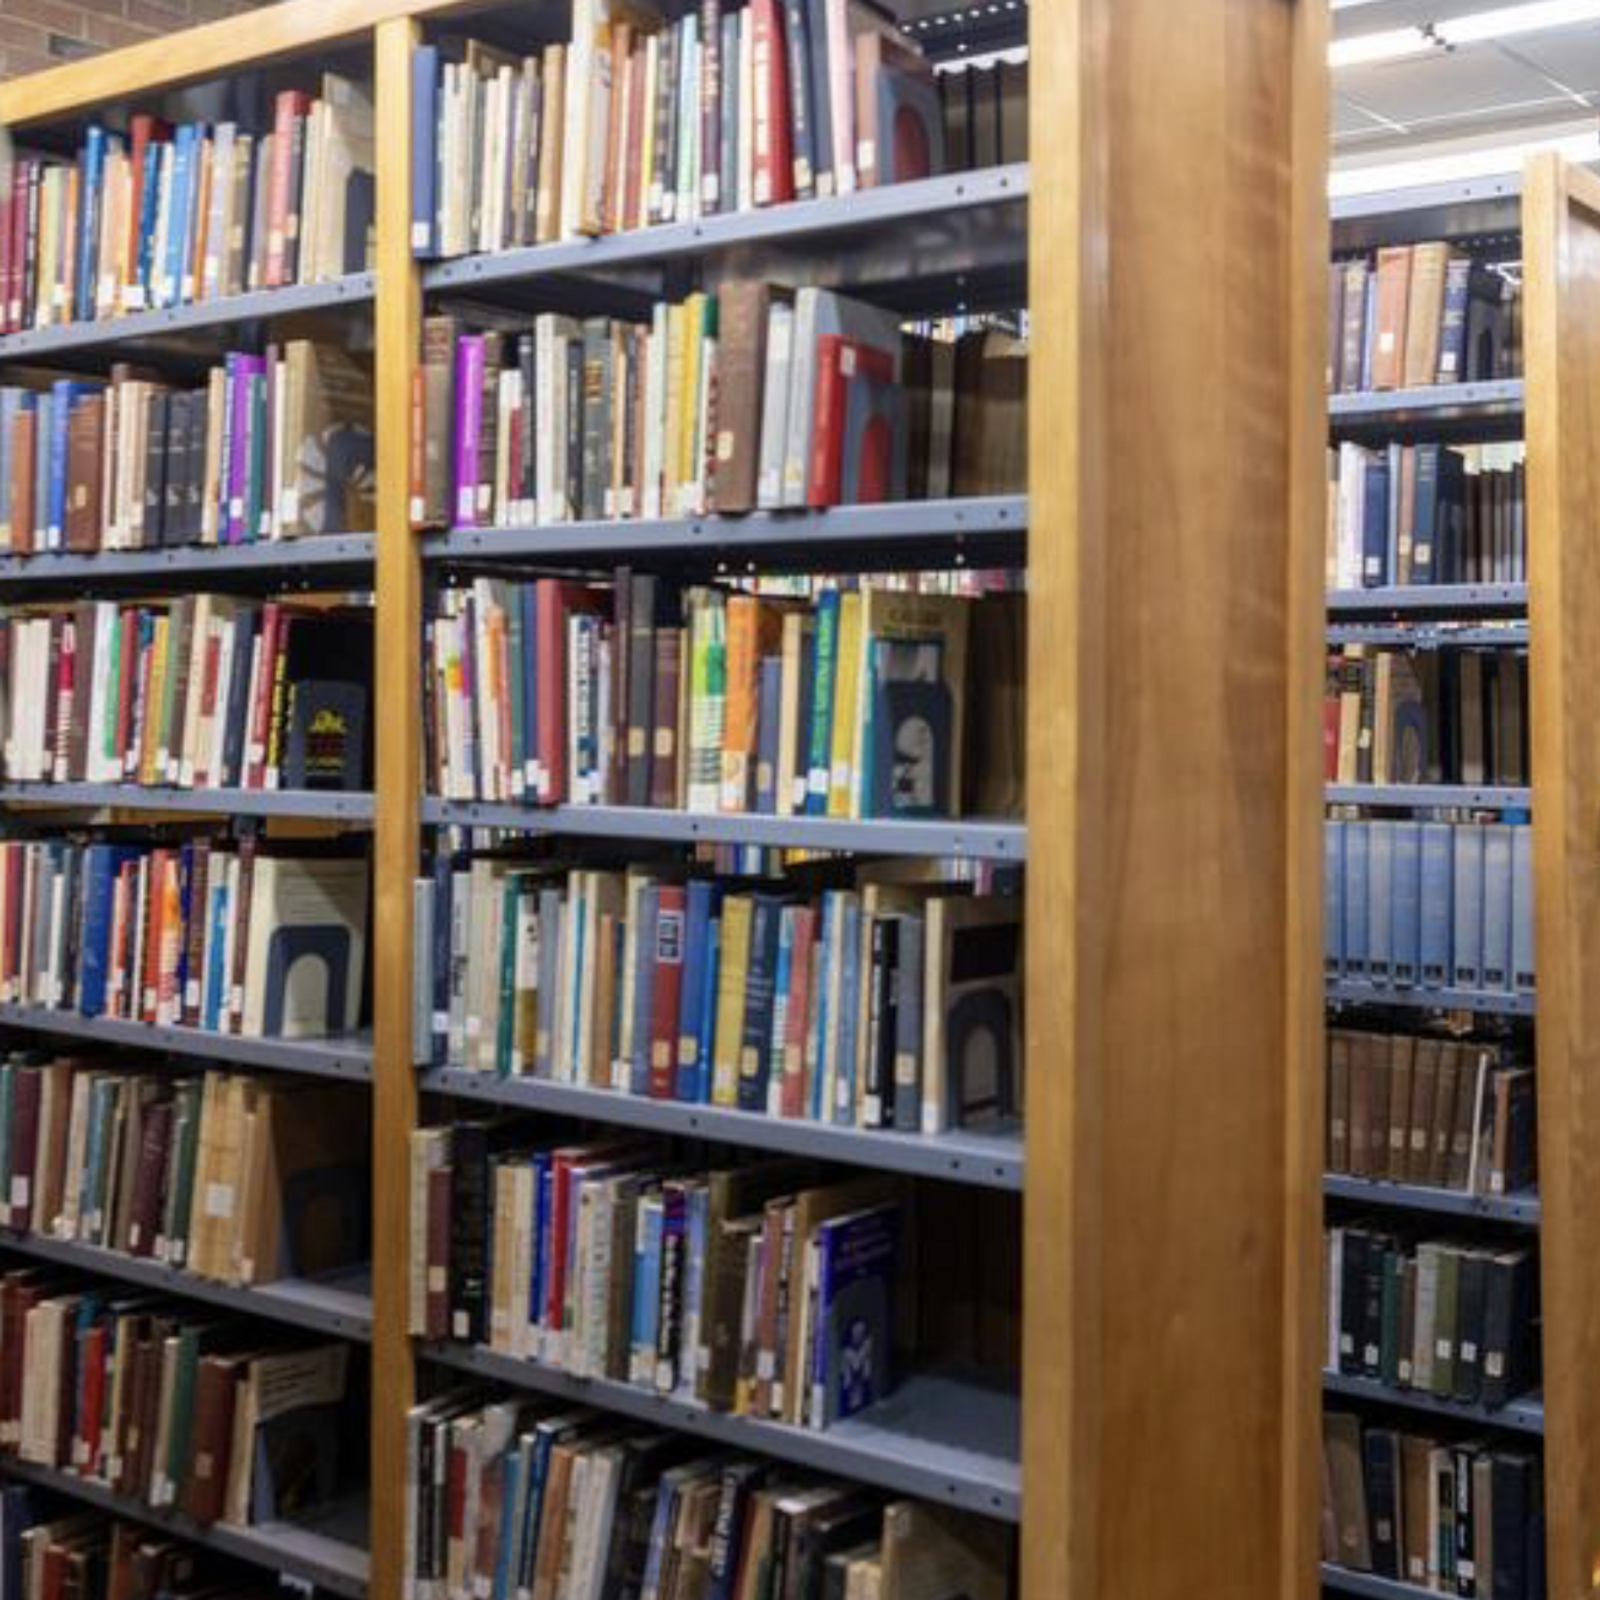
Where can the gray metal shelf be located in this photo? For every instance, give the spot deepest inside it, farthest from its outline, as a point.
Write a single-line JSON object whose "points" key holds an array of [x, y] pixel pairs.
{"points": [[349, 1059], [981, 531], [983, 1160], [1423, 796], [1432, 635], [969, 838], [1520, 1416], [1432, 600], [1426, 197], [327, 805], [1493, 398], [329, 1551], [1354, 992], [1346, 1580], [356, 288], [929, 216], [290, 562], [947, 1439], [341, 1306], [1522, 1209]]}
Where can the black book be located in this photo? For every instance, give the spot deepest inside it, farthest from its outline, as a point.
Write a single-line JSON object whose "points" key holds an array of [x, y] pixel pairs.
{"points": [[470, 1190], [662, 204], [1378, 1250], [155, 471], [640, 684], [1517, 1518], [740, 1479], [802, 124], [574, 461], [766, 920], [526, 358], [1471, 1288], [878, 1091], [1380, 1460], [194, 474], [1507, 1354], [592, 421], [1466, 1533], [1352, 1300], [328, 670], [177, 466], [850, 1520], [236, 721]]}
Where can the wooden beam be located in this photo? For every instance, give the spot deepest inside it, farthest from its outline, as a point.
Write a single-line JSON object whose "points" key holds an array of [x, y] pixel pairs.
{"points": [[398, 700], [1176, 283], [1561, 338]]}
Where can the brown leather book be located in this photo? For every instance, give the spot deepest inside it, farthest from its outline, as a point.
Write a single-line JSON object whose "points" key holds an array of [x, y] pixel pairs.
{"points": [[144, 1215], [1361, 1050], [1402, 1054], [990, 447], [1341, 1442], [742, 311], [215, 1388], [1389, 332], [1338, 1156], [24, 446], [196, 933], [438, 1258], [1424, 1092], [439, 336], [85, 452], [1424, 313], [664, 751], [1444, 1114]]}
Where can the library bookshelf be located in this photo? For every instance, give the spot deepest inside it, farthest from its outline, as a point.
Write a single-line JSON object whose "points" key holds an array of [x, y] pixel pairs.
{"points": [[1544, 219], [1168, 1170]]}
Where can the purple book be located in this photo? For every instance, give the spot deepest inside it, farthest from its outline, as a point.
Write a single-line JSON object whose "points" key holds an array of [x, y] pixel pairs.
{"points": [[469, 426], [241, 370]]}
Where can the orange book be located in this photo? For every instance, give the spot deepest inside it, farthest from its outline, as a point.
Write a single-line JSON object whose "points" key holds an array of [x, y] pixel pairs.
{"points": [[1389, 333], [753, 632]]}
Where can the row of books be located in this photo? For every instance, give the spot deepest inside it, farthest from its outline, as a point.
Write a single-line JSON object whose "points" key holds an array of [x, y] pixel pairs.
{"points": [[638, 119], [271, 446], [214, 1416], [1438, 1112], [1452, 1320], [757, 1290], [1411, 315], [896, 1005], [1430, 904], [163, 216], [204, 934], [757, 395], [50, 1554], [205, 692], [1404, 514], [1425, 716], [1455, 1518], [236, 1178], [870, 702], [514, 1496]]}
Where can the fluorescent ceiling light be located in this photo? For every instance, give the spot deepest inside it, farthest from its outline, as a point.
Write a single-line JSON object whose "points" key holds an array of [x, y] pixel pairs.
{"points": [[1502, 21], [1393, 44]]}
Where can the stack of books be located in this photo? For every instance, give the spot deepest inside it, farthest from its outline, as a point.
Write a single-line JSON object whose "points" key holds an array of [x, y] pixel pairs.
{"points": [[218, 1419], [174, 1168], [271, 446], [756, 396], [1440, 1112], [166, 216], [870, 702], [204, 692], [1430, 905], [635, 119], [1452, 1517], [895, 1005], [205, 934]]}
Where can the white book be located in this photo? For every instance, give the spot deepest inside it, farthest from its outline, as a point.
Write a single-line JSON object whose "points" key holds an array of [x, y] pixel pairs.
{"points": [[775, 404]]}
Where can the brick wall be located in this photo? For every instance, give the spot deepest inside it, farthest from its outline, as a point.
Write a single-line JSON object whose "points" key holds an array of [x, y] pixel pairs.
{"points": [[44, 33]]}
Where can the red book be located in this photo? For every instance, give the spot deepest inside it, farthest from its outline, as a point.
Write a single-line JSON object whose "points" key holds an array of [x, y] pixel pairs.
{"points": [[18, 1208], [203, 775], [839, 362], [67, 708], [774, 156], [143, 131], [254, 771], [86, 1447], [291, 106], [23, 447], [1330, 737], [560, 1184], [556, 601], [667, 995], [792, 1087], [13, 928]]}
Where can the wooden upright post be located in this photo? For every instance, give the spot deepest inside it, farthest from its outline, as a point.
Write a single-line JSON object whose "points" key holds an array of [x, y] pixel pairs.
{"points": [[1178, 268], [398, 699]]}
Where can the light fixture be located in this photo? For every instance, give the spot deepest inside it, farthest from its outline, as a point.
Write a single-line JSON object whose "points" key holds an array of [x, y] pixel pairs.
{"points": [[1482, 26], [1392, 44], [1459, 165]]}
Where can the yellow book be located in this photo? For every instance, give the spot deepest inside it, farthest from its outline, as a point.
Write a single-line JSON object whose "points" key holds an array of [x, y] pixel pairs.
{"points": [[675, 420], [732, 970], [150, 770], [689, 408], [846, 679]]}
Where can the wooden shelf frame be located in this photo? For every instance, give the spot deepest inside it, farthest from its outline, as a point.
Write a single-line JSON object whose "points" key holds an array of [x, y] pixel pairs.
{"points": [[1174, 779]]}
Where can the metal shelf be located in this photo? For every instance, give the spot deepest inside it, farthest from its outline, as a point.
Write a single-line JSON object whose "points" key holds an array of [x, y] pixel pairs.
{"points": [[982, 531], [1525, 1415], [1523, 1209], [1346, 1580], [344, 1058], [1354, 992], [1471, 208], [341, 1306], [984, 1160], [942, 226], [949, 1440], [329, 805], [1432, 600], [297, 563], [1493, 398], [973, 838], [356, 288], [329, 1552], [1432, 636], [1422, 796]]}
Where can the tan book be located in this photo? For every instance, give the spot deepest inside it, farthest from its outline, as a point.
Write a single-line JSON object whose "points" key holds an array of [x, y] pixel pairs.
{"points": [[1338, 1157], [1424, 1094], [1424, 313], [547, 213], [1341, 1440], [503, 1202], [1389, 332], [1402, 1058], [931, 1552], [1444, 1114], [1414, 1500]]}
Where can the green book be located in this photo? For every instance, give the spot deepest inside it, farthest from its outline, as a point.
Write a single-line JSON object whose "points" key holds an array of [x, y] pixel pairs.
{"points": [[510, 602], [506, 1016], [1444, 1323], [820, 745], [1393, 1290], [186, 1145]]}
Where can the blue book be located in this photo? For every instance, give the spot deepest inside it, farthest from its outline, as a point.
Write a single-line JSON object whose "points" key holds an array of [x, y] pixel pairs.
{"points": [[783, 977], [176, 291], [1425, 513], [102, 863], [1375, 521], [696, 1220], [691, 1015], [770, 698], [510, 1483], [158, 173], [424, 151], [644, 973], [1522, 971], [1380, 900], [1355, 899], [646, 1291], [755, 1044], [703, 1074], [1496, 973], [844, 1098], [728, 172], [1391, 517], [826, 658], [1452, 367], [802, 98], [91, 169], [17, 1515], [1438, 905], [216, 979], [439, 1020], [1333, 897], [64, 394], [851, 1365], [826, 158], [1405, 954], [539, 1277], [1370, 323], [1467, 943]]}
